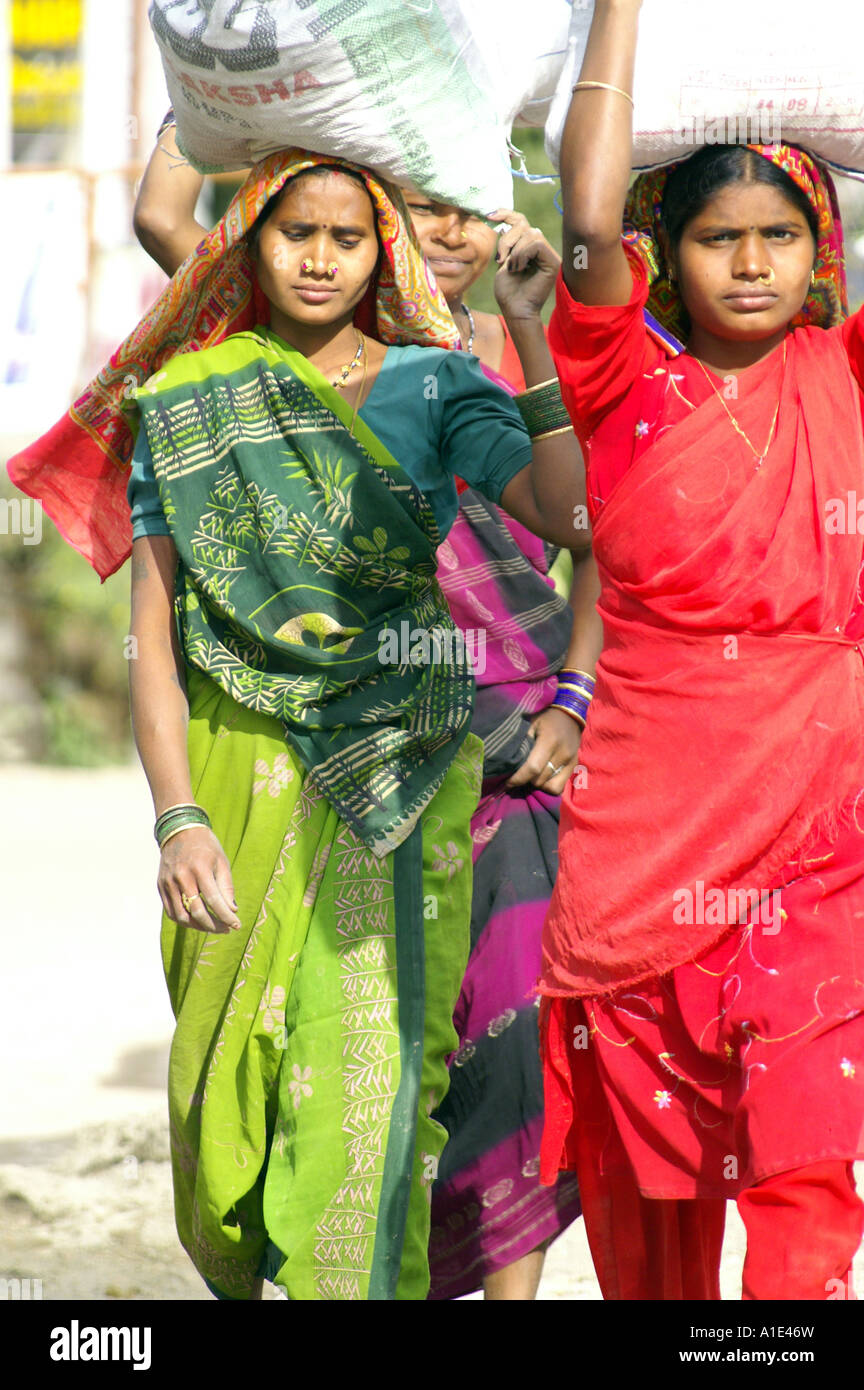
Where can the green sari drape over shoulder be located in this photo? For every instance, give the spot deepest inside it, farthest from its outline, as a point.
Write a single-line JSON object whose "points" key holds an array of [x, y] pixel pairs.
{"points": [[310, 1045], [301, 543]]}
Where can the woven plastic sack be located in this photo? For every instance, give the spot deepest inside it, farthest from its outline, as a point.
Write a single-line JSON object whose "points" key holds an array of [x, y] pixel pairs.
{"points": [[737, 72], [422, 91]]}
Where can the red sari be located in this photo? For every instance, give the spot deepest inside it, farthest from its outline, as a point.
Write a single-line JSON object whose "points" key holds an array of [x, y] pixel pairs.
{"points": [[692, 1048]]}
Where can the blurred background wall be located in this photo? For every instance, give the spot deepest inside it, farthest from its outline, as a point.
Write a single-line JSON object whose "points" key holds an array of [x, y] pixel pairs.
{"points": [[81, 97]]}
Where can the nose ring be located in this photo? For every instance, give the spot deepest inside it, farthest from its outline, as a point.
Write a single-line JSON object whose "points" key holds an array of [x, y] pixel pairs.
{"points": [[768, 276], [306, 266], [331, 270]]}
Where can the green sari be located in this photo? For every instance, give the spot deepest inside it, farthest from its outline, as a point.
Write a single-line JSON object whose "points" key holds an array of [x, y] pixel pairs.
{"points": [[310, 1045]]}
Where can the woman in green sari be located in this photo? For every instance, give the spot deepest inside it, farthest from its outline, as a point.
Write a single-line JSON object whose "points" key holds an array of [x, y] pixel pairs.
{"points": [[301, 704]]}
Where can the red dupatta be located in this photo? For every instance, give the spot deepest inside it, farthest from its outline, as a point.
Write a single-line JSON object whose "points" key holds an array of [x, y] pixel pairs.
{"points": [[727, 723]]}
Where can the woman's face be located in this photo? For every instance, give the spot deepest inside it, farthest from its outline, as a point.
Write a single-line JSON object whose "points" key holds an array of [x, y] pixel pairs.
{"points": [[744, 263], [318, 249], [457, 245]]}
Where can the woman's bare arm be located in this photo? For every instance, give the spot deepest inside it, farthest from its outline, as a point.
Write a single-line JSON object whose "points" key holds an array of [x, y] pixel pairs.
{"points": [[192, 862], [586, 639], [548, 496], [164, 216], [596, 157], [557, 735]]}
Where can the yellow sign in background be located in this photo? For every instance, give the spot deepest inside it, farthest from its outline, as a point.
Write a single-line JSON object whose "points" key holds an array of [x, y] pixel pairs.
{"points": [[46, 64]]}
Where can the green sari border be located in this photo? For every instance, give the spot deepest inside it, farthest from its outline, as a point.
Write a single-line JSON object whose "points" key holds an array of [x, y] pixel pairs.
{"points": [[401, 1140]]}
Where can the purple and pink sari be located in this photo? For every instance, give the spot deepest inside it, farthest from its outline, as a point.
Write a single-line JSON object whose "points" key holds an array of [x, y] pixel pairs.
{"points": [[488, 1208]]}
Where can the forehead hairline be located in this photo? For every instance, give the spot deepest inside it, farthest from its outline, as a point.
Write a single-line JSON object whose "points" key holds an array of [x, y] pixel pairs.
{"points": [[291, 187], [711, 215]]}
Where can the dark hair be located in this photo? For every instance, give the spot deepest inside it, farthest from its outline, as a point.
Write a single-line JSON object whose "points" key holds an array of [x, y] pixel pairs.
{"points": [[692, 183], [253, 235]]}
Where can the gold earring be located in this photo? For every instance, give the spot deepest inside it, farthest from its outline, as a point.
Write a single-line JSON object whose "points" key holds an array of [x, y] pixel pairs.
{"points": [[306, 266], [813, 278], [331, 270], [670, 275]]}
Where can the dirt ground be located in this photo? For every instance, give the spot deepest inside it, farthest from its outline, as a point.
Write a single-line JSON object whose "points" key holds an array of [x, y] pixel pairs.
{"points": [[85, 1187]]}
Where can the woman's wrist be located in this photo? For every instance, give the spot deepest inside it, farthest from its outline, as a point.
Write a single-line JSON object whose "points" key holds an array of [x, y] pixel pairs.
{"points": [[529, 323], [176, 796], [182, 816], [529, 340]]}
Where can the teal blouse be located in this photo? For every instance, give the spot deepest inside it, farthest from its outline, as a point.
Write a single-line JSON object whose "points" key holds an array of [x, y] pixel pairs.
{"points": [[437, 413]]}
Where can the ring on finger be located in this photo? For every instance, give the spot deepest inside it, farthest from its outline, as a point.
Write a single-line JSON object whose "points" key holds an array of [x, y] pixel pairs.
{"points": [[554, 768], [188, 901]]}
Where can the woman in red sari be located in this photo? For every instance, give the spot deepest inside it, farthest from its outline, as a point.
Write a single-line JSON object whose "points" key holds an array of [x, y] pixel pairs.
{"points": [[704, 951]]}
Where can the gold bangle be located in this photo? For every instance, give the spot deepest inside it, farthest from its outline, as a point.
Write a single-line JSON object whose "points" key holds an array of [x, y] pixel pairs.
{"points": [[547, 434], [553, 381], [572, 713], [190, 825], [604, 86], [572, 671]]}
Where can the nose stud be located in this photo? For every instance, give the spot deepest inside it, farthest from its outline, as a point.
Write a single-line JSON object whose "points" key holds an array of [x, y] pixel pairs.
{"points": [[331, 270], [768, 276], [306, 266]]}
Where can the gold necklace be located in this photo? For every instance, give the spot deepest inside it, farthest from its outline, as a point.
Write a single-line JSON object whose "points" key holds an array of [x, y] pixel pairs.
{"points": [[348, 369], [760, 458], [359, 396]]}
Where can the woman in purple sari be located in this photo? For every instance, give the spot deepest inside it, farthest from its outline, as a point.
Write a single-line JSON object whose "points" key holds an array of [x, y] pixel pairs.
{"points": [[491, 1219]]}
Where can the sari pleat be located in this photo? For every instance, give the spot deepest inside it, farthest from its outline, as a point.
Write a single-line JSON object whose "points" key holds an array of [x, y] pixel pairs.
{"points": [[300, 1091], [488, 1207]]}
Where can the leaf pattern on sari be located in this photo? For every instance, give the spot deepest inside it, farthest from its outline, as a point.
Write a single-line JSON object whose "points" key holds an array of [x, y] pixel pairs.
{"points": [[316, 874], [378, 545], [334, 482], [296, 542]]}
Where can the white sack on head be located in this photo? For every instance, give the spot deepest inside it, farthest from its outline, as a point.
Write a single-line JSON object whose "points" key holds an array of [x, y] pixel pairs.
{"points": [[740, 72], [422, 91]]}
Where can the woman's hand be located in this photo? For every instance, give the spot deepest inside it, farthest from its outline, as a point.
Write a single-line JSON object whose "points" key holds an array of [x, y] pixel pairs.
{"points": [[529, 267], [556, 745], [193, 865]]}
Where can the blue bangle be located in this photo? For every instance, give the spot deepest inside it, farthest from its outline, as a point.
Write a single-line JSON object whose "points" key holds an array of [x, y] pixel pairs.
{"points": [[574, 705]]}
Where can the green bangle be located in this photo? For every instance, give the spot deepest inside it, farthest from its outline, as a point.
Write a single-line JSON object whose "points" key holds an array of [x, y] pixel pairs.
{"points": [[178, 830], [178, 818], [542, 409]]}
